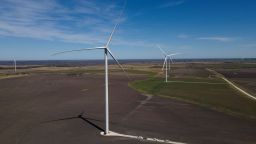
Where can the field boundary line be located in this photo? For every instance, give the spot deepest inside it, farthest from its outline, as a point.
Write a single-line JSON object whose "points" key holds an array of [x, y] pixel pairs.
{"points": [[142, 103], [194, 82]]}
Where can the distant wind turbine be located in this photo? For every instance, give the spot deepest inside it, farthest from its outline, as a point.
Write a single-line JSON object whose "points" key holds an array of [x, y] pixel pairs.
{"points": [[167, 62], [106, 52]]}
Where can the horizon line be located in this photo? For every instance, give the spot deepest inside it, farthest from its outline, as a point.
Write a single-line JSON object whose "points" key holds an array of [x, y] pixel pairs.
{"points": [[127, 59]]}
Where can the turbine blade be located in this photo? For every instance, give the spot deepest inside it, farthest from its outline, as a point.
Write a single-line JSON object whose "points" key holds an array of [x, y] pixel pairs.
{"points": [[111, 35], [164, 53], [165, 62], [173, 54], [171, 59], [111, 54], [116, 25], [78, 50]]}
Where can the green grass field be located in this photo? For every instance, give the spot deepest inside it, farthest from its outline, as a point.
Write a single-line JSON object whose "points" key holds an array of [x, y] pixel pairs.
{"points": [[4, 76], [211, 93]]}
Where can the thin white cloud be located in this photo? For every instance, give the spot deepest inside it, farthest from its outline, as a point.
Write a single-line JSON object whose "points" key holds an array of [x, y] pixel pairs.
{"points": [[47, 33], [88, 22], [217, 38], [172, 3]]}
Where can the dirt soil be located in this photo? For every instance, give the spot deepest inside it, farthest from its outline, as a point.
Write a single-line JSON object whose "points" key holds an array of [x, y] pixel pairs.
{"points": [[45, 109], [238, 73]]}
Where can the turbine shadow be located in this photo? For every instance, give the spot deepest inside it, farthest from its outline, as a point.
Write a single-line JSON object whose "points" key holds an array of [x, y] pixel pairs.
{"points": [[80, 116], [91, 123]]}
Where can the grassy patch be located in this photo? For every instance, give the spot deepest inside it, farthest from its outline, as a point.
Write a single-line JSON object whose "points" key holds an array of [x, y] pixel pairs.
{"points": [[150, 86], [216, 96], [5, 76]]}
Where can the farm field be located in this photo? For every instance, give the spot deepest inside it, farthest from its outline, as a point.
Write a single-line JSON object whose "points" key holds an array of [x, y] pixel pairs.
{"points": [[127, 72], [245, 78], [195, 84], [66, 104]]}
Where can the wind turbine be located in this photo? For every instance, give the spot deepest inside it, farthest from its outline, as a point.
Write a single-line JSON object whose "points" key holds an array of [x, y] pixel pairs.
{"points": [[167, 62], [107, 51]]}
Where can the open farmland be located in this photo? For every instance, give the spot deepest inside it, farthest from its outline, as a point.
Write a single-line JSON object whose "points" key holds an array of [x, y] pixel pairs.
{"points": [[245, 78], [66, 105], [193, 83]]}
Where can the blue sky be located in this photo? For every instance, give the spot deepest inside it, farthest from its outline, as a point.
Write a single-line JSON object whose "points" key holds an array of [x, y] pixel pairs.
{"points": [[34, 29]]}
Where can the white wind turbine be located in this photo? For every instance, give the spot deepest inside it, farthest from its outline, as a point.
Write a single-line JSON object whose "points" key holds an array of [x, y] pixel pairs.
{"points": [[106, 52], [167, 62]]}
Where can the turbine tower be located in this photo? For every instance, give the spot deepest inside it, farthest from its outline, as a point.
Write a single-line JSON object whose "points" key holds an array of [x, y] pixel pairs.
{"points": [[167, 62], [107, 52]]}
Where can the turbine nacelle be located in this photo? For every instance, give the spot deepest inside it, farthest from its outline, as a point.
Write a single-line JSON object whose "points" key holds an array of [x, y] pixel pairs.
{"points": [[166, 56]]}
